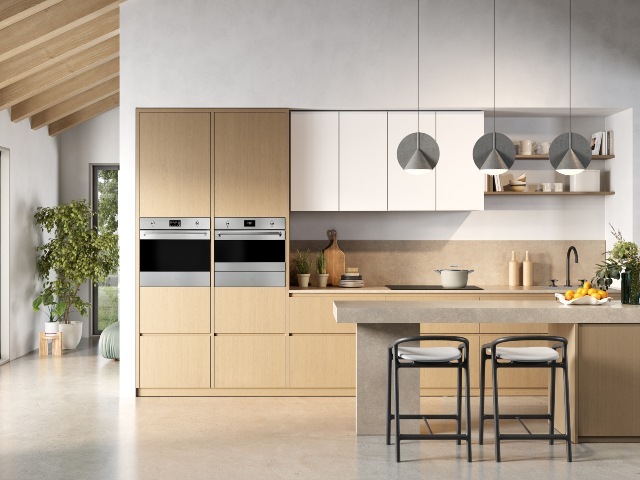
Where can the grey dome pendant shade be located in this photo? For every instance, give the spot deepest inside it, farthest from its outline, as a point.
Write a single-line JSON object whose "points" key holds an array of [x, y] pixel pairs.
{"points": [[570, 153], [418, 153], [494, 153]]}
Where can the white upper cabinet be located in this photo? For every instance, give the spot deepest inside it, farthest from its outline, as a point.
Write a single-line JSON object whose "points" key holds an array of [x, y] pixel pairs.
{"points": [[406, 191], [363, 161], [314, 161], [459, 183]]}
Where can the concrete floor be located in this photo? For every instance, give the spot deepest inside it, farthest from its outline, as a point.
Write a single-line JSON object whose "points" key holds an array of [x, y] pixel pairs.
{"points": [[61, 418]]}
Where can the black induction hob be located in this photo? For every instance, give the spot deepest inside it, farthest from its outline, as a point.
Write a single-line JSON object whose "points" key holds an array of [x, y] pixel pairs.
{"points": [[429, 287]]}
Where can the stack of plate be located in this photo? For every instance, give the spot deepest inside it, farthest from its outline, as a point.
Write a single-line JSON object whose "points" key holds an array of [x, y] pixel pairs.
{"points": [[519, 184], [351, 279]]}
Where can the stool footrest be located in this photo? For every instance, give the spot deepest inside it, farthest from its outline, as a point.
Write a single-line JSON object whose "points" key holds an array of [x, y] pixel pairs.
{"points": [[512, 416], [534, 436], [409, 416], [434, 436]]}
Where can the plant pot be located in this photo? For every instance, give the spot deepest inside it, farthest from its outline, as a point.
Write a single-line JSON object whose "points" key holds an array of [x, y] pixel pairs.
{"points": [[71, 334], [303, 279], [630, 293], [323, 278], [50, 327]]}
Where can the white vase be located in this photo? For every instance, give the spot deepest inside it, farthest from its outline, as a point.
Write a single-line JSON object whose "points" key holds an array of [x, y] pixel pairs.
{"points": [[71, 334], [50, 327]]}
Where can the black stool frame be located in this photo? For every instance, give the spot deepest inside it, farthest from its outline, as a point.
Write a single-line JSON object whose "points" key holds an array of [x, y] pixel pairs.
{"points": [[460, 364], [561, 363]]}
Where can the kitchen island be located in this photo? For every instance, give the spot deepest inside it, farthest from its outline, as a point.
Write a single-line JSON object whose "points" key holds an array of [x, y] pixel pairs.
{"points": [[604, 361]]}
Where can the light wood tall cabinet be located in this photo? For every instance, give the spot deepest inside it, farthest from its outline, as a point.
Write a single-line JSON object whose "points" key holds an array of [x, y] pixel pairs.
{"points": [[174, 164], [251, 164], [250, 309]]}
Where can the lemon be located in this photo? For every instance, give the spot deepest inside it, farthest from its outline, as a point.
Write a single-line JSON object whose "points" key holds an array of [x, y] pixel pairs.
{"points": [[587, 285]]}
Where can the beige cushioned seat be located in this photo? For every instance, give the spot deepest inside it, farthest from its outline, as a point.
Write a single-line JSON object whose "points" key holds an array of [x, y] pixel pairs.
{"points": [[526, 354], [429, 354]]}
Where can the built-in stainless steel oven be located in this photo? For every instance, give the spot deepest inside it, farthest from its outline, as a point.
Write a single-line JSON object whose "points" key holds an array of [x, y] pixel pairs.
{"points": [[249, 252], [175, 252]]}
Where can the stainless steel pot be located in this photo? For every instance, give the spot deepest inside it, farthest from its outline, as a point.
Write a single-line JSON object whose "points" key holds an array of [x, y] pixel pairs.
{"points": [[454, 277]]}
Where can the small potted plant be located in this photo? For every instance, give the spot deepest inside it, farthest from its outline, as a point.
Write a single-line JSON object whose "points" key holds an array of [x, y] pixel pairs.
{"points": [[46, 303], [622, 262], [321, 266], [303, 267]]}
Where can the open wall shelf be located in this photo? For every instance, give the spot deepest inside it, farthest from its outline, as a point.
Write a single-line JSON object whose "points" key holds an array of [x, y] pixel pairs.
{"points": [[549, 193]]}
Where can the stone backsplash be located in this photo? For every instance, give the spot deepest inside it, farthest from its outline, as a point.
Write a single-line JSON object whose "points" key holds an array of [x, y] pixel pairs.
{"points": [[384, 262]]}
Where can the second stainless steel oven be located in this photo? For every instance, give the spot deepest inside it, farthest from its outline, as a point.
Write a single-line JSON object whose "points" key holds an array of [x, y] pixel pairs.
{"points": [[249, 252]]}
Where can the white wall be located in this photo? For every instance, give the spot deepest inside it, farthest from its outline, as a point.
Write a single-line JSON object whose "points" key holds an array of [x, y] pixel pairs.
{"points": [[361, 54], [96, 141], [33, 177]]}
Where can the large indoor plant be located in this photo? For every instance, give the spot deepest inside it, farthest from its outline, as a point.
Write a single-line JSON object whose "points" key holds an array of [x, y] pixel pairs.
{"points": [[621, 262], [75, 253]]}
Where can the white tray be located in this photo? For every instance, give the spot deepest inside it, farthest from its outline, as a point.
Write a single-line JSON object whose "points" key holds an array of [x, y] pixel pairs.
{"points": [[586, 300]]}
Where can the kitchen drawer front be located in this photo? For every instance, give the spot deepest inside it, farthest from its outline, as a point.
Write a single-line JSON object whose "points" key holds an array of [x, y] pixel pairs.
{"points": [[520, 377], [515, 328], [314, 314], [447, 377], [175, 310], [250, 309], [322, 361], [175, 361], [249, 361]]}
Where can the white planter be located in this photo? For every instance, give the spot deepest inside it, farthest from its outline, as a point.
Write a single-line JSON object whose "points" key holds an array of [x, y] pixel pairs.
{"points": [[71, 334], [50, 327], [303, 279], [322, 279]]}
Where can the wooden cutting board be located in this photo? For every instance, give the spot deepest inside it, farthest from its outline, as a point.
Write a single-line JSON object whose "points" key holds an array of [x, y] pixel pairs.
{"points": [[335, 259]]}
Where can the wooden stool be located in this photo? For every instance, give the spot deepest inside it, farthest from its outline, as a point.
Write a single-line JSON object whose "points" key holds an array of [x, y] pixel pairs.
{"points": [[56, 345]]}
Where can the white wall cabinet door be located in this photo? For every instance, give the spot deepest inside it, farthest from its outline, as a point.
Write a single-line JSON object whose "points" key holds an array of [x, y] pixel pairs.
{"points": [[363, 161], [405, 191], [459, 183], [314, 161]]}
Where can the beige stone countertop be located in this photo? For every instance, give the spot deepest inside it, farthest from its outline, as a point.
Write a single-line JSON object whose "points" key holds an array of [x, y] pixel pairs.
{"points": [[384, 290], [486, 311]]}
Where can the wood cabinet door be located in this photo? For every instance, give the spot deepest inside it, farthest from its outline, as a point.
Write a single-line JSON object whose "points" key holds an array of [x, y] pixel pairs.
{"points": [[322, 361], [251, 164], [363, 161], [405, 191], [314, 161], [459, 183], [250, 361], [175, 361], [175, 310], [250, 309], [174, 164]]}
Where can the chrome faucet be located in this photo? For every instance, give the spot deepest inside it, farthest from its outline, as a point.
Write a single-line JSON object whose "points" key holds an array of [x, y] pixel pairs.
{"points": [[568, 284]]}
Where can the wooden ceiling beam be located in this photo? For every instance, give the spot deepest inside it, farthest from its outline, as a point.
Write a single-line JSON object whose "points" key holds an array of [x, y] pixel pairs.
{"points": [[85, 114], [46, 24], [74, 104], [65, 90], [12, 11], [59, 48], [74, 65]]}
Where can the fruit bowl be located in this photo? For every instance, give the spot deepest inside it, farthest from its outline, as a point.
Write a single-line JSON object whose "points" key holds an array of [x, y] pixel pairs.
{"points": [[586, 300]]}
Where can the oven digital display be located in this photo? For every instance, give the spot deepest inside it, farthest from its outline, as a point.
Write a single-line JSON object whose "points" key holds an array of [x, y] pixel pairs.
{"points": [[249, 223], [175, 223]]}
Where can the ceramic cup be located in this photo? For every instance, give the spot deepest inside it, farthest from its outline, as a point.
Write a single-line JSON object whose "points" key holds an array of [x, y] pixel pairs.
{"points": [[542, 148], [526, 147], [546, 187], [558, 187]]}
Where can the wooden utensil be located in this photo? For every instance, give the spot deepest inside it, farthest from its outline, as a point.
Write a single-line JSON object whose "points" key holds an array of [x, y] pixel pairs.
{"points": [[335, 259]]}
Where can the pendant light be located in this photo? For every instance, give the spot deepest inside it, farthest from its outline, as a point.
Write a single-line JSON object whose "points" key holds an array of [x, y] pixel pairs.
{"points": [[570, 153], [418, 152], [494, 152]]}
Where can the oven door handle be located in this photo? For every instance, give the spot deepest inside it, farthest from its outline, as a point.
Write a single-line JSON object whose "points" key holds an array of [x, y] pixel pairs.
{"points": [[155, 235], [250, 234]]}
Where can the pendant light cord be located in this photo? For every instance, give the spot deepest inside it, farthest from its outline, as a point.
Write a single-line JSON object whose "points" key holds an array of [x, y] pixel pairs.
{"points": [[418, 132], [570, 112], [494, 74]]}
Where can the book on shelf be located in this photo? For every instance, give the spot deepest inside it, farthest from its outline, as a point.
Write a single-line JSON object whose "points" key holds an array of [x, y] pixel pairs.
{"points": [[602, 143]]}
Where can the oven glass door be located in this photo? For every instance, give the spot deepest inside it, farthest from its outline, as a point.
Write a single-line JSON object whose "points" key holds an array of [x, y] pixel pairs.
{"points": [[249, 251], [164, 255]]}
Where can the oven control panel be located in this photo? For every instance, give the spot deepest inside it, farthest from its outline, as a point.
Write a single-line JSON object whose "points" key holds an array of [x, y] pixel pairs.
{"points": [[257, 223], [183, 223]]}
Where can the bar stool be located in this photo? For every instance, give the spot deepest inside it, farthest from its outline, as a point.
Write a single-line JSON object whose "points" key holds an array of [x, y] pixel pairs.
{"points": [[429, 357], [525, 357]]}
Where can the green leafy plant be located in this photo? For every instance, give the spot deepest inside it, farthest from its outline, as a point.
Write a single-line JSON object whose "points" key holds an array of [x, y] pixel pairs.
{"points": [[623, 256], [76, 253], [321, 263], [47, 304], [303, 261]]}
